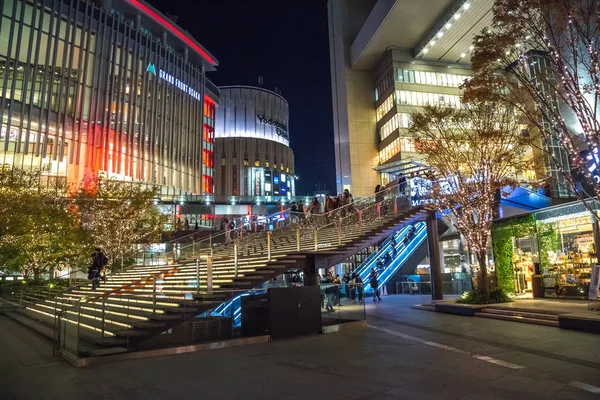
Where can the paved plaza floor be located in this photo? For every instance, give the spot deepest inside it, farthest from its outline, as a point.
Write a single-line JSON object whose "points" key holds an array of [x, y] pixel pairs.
{"points": [[403, 354]]}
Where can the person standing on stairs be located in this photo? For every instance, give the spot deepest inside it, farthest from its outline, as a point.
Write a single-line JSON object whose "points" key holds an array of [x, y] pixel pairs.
{"points": [[228, 226], [99, 261]]}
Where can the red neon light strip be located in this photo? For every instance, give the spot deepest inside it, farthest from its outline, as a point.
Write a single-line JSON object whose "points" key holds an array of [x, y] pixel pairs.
{"points": [[209, 100], [173, 30]]}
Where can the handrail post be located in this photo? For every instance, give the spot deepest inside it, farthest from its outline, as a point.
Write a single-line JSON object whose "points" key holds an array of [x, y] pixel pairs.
{"points": [[360, 224], [339, 232], [269, 233], [103, 314], [235, 258], [197, 275], [316, 235], [209, 284], [298, 238], [210, 243], [153, 293], [395, 205]]}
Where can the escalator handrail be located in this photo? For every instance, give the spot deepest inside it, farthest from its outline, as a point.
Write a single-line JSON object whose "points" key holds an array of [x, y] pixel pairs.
{"points": [[400, 254]]}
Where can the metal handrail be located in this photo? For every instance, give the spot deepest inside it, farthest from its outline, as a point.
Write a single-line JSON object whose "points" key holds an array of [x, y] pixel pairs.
{"points": [[356, 208]]}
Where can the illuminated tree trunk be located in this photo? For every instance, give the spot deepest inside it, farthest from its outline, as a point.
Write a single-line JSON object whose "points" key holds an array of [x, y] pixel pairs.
{"points": [[482, 276]]}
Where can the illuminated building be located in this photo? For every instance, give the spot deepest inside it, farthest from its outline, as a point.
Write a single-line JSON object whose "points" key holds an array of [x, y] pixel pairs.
{"points": [[252, 150], [388, 59], [116, 90]]}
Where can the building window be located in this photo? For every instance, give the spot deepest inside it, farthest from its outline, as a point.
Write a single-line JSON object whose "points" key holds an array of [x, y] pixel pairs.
{"points": [[405, 97], [385, 107], [428, 78], [400, 120]]}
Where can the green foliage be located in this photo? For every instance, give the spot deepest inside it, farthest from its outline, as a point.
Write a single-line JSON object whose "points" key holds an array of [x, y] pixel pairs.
{"points": [[42, 230], [38, 231], [117, 215], [484, 297], [502, 242], [548, 241]]}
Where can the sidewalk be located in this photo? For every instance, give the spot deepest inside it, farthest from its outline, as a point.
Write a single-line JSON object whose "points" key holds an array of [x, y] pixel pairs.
{"points": [[404, 354]]}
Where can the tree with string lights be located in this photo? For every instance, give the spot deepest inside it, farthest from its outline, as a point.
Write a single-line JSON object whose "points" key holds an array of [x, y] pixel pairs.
{"points": [[474, 152], [38, 231], [542, 57], [116, 216]]}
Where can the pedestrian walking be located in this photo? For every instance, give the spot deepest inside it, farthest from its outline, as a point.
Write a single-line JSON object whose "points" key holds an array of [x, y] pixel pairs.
{"points": [[99, 261], [360, 288], [375, 285]]}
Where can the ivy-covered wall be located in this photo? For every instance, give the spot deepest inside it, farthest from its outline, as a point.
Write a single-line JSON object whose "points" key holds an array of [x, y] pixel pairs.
{"points": [[548, 241], [502, 243]]}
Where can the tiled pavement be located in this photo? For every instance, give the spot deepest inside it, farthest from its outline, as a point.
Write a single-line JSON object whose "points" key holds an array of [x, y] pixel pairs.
{"points": [[406, 354]]}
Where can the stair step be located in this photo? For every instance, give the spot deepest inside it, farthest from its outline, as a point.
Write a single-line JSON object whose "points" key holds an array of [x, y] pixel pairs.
{"points": [[518, 309], [513, 318], [424, 307], [112, 341], [164, 317], [518, 313], [131, 333], [149, 325]]}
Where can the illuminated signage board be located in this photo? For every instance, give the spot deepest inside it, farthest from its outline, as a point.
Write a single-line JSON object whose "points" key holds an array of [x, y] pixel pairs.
{"points": [[258, 181], [593, 163], [280, 128], [173, 81]]}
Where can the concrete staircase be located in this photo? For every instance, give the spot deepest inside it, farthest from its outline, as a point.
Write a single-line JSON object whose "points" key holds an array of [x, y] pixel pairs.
{"points": [[136, 305]]}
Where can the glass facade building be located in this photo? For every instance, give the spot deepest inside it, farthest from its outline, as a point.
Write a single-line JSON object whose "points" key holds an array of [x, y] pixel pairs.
{"points": [[252, 145], [109, 88]]}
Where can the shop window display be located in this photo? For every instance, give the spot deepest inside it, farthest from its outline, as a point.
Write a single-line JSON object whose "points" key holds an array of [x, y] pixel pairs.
{"points": [[557, 243], [524, 256], [567, 272]]}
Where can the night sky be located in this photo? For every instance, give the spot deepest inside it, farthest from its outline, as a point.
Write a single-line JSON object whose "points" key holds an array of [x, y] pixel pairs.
{"points": [[285, 41]]}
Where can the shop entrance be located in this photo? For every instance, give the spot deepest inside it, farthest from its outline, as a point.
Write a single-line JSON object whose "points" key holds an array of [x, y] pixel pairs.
{"points": [[524, 254]]}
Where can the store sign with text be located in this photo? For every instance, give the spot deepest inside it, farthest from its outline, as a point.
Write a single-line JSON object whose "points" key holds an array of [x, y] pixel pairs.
{"points": [[280, 128], [173, 81]]}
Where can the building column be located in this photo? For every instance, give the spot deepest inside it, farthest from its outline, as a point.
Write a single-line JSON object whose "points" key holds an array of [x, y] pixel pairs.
{"points": [[435, 267]]}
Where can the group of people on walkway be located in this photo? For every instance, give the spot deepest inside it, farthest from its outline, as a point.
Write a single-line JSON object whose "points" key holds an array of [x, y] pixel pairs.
{"points": [[333, 288], [330, 203]]}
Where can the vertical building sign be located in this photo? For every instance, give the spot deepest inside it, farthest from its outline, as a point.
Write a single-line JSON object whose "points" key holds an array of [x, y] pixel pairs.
{"points": [[257, 181]]}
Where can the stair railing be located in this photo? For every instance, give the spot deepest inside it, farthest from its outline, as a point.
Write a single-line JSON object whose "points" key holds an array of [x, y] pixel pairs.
{"points": [[333, 228], [68, 316]]}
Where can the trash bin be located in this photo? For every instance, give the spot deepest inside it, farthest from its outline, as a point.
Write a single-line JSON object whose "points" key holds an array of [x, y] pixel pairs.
{"points": [[536, 284]]}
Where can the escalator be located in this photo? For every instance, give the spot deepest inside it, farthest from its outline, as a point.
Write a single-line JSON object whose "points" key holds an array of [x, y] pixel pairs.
{"points": [[410, 249], [403, 258]]}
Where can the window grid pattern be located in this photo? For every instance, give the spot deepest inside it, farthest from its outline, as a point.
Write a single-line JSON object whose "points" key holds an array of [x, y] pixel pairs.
{"points": [[80, 96], [385, 107], [405, 97], [428, 78], [401, 144], [399, 120]]}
